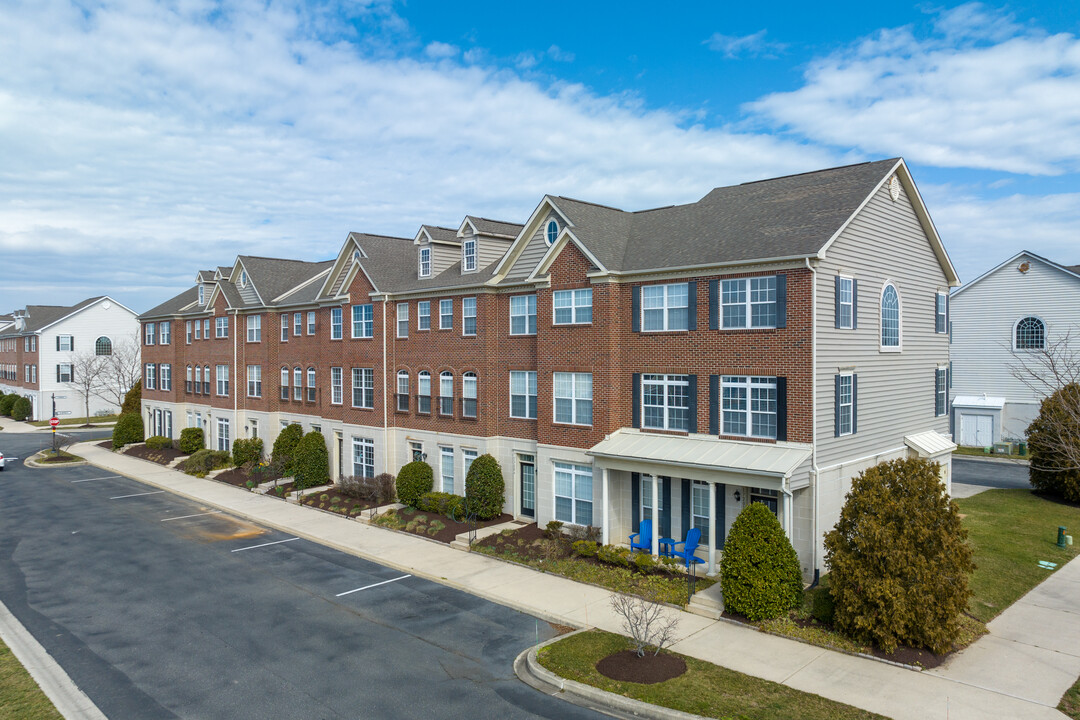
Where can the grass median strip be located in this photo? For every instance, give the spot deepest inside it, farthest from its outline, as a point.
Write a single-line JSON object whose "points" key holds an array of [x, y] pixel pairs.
{"points": [[20, 696], [705, 689], [1070, 702]]}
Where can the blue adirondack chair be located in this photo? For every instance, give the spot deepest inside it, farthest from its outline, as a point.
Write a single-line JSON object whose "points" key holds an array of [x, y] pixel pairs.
{"points": [[690, 545], [644, 537]]}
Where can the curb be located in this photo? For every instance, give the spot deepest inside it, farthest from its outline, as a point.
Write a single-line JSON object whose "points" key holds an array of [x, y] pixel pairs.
{"points": [[31, 462], [991, 459], [535, 675]]}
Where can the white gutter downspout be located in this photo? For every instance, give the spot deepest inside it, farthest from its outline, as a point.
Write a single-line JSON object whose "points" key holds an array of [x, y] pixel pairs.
{"points": [[385, 416], [816, 492], [236, 386]]}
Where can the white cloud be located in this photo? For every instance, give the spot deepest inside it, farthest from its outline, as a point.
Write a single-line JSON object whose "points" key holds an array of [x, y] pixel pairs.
{"points": [[440, 50], [559, 55], [753, 45], [980, 92]]}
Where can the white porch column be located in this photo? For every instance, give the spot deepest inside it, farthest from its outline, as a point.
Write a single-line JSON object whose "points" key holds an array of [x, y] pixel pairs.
{"points": [[655, 516], [605, 522], [712, 528]]}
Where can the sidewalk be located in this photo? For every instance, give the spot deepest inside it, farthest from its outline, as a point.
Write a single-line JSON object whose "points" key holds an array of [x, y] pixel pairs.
{"points": [[964, 691]]}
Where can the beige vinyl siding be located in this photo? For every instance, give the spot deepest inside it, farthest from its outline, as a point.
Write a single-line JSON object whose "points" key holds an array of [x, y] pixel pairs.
{"points": [[885, 241], [247, 293], [442, 257], [489, 250], [532, 254]]}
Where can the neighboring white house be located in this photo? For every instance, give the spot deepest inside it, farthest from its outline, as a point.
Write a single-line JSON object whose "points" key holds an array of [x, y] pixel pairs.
{"points": [[1001, 321], [40, 347]]}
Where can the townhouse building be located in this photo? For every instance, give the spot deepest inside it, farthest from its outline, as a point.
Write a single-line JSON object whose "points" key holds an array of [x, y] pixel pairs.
{"points": [[763, 344], [40, 347]]}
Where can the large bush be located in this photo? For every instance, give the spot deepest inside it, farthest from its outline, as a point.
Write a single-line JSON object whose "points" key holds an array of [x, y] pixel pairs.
{"points": [[448, 504], [21, 409], [158, 442], [202, 462], [898, 558], [133, 399], [484, 487], [247, 451], [378, 490], [414, 480], [191, 440], [311, 463], [1054, 444], [284, 449], [128, 429], [759, 572], [6, 401]]}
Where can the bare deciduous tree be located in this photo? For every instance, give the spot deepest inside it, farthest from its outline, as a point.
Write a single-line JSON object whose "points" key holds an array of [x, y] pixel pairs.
{"points": [[88, 373], [124, 369], [1046, 372], [647, 622]]}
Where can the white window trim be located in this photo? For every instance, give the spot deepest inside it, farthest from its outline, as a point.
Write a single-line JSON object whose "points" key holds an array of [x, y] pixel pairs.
{"points": [[466, 267], [548, 239], [449, 325], [366, 447], [474, 316], [747, 304], [850, 406], [445, 452], [361, 324], [420, 264], [667, 381], [254, 328], [851, 305], [899, 347], [337, 323], [573, 400], [1046, 333], [527, 315], [402, 319], [575, 470], [944, 314], [573, 306], [336, 386], [747, 382], [526, 373], [221, 327], [941, 370], [666, 309], [254, 378], [357, 374]]}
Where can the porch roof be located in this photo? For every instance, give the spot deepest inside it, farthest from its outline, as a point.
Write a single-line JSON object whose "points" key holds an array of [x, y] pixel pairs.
{"points": [[698, 457], [929, 444]]}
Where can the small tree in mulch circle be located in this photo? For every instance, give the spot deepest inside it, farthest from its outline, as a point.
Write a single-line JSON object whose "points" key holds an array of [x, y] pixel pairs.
{"points": [[647, 622]]}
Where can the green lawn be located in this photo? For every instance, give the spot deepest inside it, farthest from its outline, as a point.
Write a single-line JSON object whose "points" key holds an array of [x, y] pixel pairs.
{"points": [[1012, 530], [20, 696], [981, 452], [704, 689], [97, 419], [1070, 702]]}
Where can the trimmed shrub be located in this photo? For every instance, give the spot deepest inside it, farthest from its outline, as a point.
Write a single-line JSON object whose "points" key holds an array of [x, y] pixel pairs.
{"points": [[759, 573], [284, 449], [6, 401], [584, 548], [158, 442], [899, 559], [823, 608], [643, 561], [247, 450], [485, 488], [191, 440], [447, 504], [311, 464], [1049, 438], [553, 529], [133, 399], [413, 480], [128, 429], [203, 461], [379, 489], [614, 555], [21, 409]]}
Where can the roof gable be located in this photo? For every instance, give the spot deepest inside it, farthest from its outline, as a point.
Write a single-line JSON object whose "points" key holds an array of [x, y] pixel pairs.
{"points": [[1069, 270]]}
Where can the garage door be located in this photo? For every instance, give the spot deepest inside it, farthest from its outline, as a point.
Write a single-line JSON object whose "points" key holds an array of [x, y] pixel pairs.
{"points": [[976, 430]]}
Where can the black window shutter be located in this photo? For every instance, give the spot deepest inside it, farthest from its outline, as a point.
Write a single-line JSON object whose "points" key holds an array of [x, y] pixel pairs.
{"points": [[635, 494], [855, 304], [635, 304], [58, 370], [58, 343], [714, 304], [781, 408], [836, 406], [854, 403], [693, 404], [721, 503], [836, 302], [781, 300], [71, 342], [636, 413], [71, 373], [665, 517], [714, 404], [691, 305], [685, 506]]}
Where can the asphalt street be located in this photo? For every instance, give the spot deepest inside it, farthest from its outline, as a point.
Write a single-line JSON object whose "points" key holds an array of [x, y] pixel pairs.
{"points": [[989, 474], [159, 608]]}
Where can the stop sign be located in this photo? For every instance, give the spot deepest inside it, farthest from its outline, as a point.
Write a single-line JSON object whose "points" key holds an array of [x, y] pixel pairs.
{"points": [[54, 422]]}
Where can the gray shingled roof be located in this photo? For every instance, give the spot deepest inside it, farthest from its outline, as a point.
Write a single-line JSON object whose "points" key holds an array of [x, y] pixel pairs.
{"points": [[173, 305], [391, 263], [487, 226], [274, 276], [1073, 268], [442, 234], [792, 216], [40, 316]]}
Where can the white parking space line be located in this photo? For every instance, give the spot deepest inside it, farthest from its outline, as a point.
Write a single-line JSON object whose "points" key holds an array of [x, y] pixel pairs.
{"points": [[121, 497], [366, 587], [184, 517], [105, 477], [252, 547]]}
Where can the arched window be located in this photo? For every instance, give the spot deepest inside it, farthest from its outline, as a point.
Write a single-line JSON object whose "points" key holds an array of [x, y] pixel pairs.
{"points": [[890, 317], [552, 232], [468, 395], [403, 391], [1030, 334], [103, 346], [446, 393]]}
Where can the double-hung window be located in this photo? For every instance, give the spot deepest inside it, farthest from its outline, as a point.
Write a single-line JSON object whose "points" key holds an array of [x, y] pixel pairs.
{"points": [[665, 307], [446, 393], [336, 392], [221, 327], [335, 323], [206, 328], [523, 394], [468, 255], [298, 324], [446, 468], [468, 316], [572, 307], [363, 321], [941, 392], [187, 332], [165, 332], [749, 406], [151, 376], [468, 395], [311, 322], [284, 383], [298, 384], [165, 378], [66, 343], [222, 374], [423, 392], [845, 404], [198, 330], [254, 380], [424, 269], [749, 302], [148, 337], [285, 327], [403, 391], [446, 314], [223, 435], [198, 379], [573, 398], [666, 401], [423, 315], [363, 457], [254, 328], [523, 315], [187, 379], [403, 319], [845, 302], [941, 312], [363, 388], [573, 494], [206, 379], [311, 384]]}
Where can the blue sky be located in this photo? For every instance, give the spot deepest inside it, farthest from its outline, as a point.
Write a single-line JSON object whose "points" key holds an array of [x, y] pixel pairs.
{"points": [[142, 141]]}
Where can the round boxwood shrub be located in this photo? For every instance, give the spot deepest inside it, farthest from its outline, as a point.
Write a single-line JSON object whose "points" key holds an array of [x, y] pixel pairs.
{"points": [[1053, 438], [311, 464], [6, 401], [413, 480], [759, 573], [899, 559], [128, 429], [203, 461], [133, 399], [484, 487], [245, 451], [21, 409], [158, 442], [284, 449], [191, 440]]}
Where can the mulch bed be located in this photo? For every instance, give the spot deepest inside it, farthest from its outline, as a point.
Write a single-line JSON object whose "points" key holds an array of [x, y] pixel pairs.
{"points": [[286, 489], [626, 666], [337, 502], [451, 530], [163, 456], [107, 444]]}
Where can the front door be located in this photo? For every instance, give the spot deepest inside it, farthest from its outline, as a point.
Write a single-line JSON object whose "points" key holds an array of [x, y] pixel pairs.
{"points": [[527, 470]]}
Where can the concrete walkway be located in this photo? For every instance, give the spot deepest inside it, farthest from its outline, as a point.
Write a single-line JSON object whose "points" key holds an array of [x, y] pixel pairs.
{"points": [[983, 688]]}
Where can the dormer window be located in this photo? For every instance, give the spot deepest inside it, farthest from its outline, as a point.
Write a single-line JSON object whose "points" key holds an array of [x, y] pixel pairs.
{"points": [[468, 255], [425, 262], [552, 232], [202, 294], [243, 278]]}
